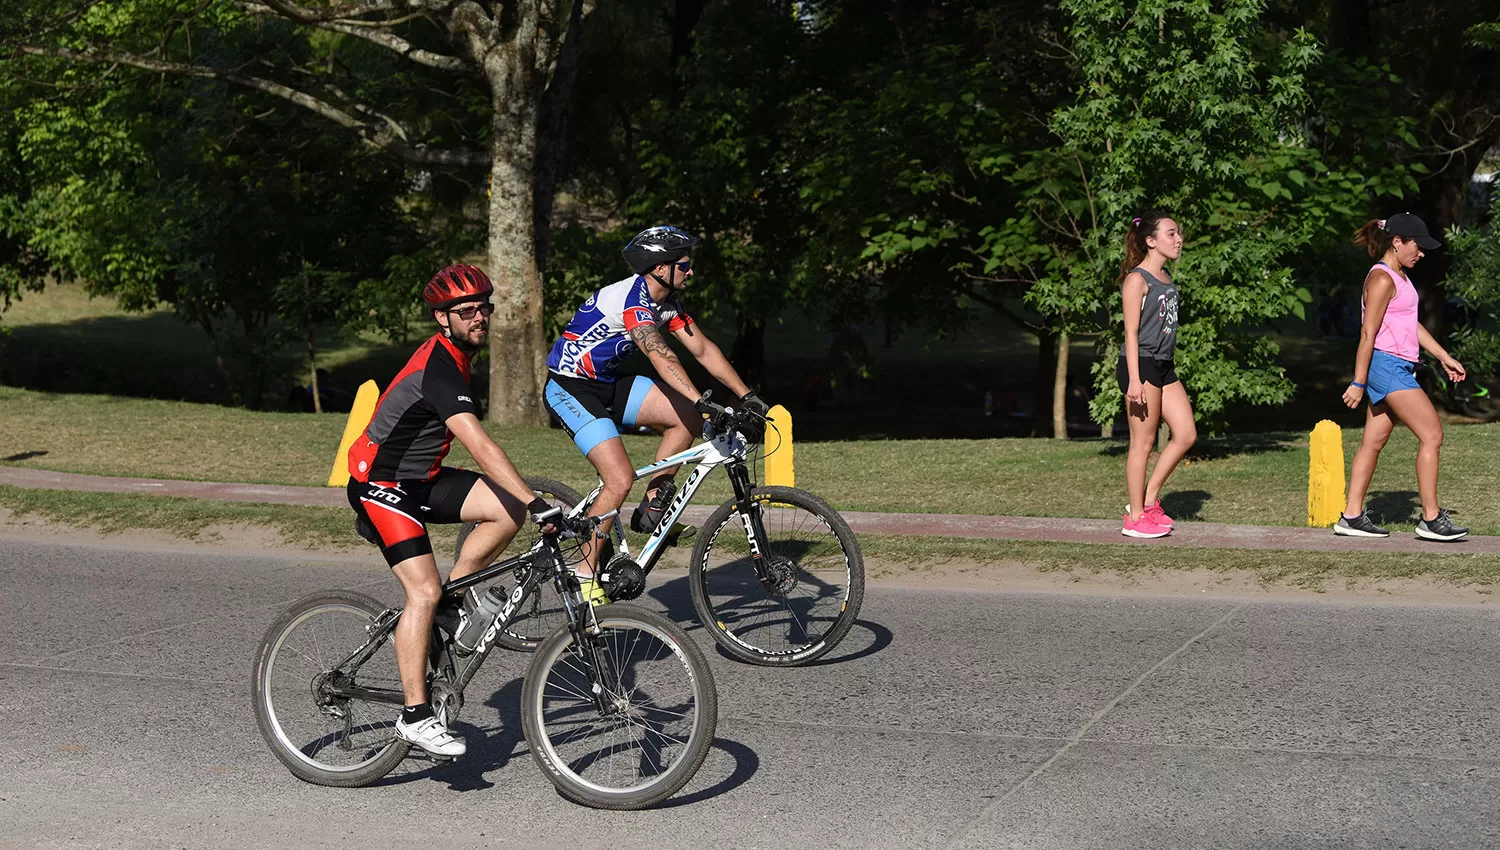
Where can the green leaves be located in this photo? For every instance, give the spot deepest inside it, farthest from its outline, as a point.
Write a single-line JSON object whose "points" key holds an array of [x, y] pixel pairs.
{"points": [[1186, 107]]}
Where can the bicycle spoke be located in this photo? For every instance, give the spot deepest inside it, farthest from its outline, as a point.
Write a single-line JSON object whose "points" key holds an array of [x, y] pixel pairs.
{"points": [[643, 723]]}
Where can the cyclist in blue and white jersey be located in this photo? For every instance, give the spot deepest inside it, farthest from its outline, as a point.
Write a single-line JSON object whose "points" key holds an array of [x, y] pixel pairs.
{"points": [[582, 388]]}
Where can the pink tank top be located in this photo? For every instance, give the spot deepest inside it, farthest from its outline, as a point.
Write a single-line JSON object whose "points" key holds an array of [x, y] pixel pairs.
{"points": [[1398, 330]]}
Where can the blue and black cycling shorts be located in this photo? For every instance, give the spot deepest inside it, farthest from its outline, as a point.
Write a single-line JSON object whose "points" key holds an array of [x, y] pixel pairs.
{"points": [[594, 411]]}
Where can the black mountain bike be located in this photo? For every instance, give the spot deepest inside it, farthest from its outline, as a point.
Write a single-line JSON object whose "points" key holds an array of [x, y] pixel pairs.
{"points": [[776, 574], [618, 705]]}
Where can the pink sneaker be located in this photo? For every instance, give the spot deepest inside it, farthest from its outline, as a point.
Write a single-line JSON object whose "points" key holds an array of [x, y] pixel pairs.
{"points": [[1154, 513], [1158, 515], [1143, 527]]}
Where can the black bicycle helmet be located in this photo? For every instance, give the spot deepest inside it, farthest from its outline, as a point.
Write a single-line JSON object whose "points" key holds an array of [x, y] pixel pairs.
{"points": [[656, 245]]}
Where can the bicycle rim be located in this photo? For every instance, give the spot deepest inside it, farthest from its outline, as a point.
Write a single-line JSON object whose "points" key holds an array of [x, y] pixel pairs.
{"points": [[812, 595], [658, 723], [322, 739]]}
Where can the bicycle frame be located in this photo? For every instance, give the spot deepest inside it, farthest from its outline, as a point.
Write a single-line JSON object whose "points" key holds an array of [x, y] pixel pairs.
{"points": [[725, 449], [527, 580]]}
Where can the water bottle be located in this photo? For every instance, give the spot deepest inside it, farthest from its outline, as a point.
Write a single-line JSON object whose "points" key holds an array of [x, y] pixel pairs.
{"points": [[480, 609]]}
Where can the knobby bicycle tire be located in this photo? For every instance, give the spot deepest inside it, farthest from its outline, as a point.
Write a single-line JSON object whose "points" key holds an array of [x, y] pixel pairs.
{"points": [[661, 710], [314, 740], [818, 582]]}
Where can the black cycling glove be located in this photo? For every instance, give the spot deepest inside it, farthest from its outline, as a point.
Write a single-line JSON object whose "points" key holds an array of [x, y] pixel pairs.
{"points": [[542, 512], [751, 403]]}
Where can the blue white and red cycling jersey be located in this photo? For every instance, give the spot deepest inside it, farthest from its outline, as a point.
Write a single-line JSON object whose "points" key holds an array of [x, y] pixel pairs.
{"points": [[598, 336]]}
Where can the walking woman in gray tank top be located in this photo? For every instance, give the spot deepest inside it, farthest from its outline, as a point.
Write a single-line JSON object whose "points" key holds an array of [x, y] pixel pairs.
{"points": [[1146, 371]]}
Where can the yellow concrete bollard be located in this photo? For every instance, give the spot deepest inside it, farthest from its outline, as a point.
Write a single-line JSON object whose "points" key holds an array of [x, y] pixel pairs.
{"points": [[778, 449], [1325, 475], [359, 417]]}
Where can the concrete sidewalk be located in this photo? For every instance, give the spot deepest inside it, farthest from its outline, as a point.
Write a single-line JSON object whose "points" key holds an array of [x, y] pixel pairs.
{"points": [[1192, 534]]}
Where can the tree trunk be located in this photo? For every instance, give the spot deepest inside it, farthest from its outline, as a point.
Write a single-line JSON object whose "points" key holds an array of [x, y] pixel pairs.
{"points": [[1060, 391], [312, 371], [749, 351], [1046, 364], [517, 346]]}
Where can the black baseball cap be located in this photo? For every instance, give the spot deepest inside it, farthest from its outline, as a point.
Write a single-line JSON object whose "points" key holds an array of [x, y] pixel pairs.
{"points": [[1408, 226]]}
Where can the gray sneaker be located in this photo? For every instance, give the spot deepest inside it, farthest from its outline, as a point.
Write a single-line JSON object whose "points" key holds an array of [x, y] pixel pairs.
{"points": [[1360, 526], [1441, 528]]}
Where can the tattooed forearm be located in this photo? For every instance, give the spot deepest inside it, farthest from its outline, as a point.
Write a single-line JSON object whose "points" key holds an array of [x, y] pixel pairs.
{"points": [[649, 339]]}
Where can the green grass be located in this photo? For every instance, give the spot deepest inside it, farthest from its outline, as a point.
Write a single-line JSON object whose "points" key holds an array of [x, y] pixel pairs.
{"points": [[1258, 479], [888, 555], [63, 340], [195, 519]]}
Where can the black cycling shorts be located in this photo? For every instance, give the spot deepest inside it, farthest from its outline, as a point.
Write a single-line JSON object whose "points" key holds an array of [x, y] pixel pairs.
{"points": [[594, 411], [1158, 373], [394, 514]]}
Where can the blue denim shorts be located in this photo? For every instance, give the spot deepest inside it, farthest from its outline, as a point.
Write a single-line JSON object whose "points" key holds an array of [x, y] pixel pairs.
{"points": [[1389, 373]]}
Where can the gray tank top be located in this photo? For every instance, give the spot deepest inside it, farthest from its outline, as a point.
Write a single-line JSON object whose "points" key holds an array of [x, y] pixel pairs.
{"points": [[1158, 331]]}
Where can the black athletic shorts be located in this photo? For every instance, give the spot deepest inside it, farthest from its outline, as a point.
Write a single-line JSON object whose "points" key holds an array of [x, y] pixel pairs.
{"points": [[1158, 373], [394, 514]]}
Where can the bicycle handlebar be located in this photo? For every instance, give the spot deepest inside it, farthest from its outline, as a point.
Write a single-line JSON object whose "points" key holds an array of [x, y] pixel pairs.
{"points": [[727, 418]]}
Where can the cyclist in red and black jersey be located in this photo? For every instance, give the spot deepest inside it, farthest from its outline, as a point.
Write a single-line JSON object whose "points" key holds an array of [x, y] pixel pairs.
{"points": [[398, 483]]}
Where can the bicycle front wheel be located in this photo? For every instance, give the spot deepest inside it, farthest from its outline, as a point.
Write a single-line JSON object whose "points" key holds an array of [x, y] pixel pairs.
{"points": [[623, 719], [810, 594], [301, 675]]}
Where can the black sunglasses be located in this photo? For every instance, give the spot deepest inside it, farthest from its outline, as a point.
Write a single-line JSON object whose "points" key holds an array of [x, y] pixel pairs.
{"points": [[469, 311], [684, 264]]}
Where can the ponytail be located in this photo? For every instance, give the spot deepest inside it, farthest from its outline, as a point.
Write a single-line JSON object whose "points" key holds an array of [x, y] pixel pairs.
{"points": [[1374, 238], [1135, 239]]}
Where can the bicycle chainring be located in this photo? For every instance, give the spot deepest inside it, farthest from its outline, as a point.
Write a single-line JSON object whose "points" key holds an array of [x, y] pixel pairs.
{"points": [[623, 579], [446, 702]]}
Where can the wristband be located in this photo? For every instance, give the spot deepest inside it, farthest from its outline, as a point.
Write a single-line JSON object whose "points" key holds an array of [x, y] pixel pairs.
{"points": [[1356, 384]]}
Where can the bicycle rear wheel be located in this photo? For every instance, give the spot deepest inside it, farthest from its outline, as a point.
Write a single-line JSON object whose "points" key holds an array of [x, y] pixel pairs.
{"points": [[543, 613], [649, 728], [811, 596], [322, 738]]}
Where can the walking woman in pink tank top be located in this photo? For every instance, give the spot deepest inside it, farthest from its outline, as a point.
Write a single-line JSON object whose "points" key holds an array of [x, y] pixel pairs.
{"points": [[1391, 342]]}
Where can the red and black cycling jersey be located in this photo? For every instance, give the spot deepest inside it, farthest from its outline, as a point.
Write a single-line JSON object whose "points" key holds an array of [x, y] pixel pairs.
{"points": [[408, 437]]}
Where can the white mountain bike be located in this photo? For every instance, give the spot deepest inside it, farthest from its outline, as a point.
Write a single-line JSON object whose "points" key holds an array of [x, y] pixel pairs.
{"points": [[776, 575]]}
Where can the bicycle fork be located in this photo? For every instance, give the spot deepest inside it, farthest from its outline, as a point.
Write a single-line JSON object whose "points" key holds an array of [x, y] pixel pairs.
{"points": [[755, 530]]}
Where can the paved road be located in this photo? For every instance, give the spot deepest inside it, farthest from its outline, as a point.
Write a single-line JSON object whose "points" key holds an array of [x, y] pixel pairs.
{"points": [[1191, 534], [950, 719]]}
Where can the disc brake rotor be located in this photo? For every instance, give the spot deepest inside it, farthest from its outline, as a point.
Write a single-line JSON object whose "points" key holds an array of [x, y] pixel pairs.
{"points": [[781, 575]]}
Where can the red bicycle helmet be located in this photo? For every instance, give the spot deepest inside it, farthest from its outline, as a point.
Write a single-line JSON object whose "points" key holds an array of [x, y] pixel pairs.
{"points": [[455, 284]]}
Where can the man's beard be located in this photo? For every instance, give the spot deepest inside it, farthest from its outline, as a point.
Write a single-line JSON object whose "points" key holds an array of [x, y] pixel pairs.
{"points": [[461, 342]]}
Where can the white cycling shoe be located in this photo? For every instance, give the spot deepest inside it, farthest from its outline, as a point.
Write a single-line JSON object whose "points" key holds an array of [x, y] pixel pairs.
{"points": [[431, 735]]}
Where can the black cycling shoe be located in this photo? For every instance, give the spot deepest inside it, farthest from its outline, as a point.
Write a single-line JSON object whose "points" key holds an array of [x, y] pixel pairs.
{"points": [[1441, 528], [1360, 526], [648, 514]]}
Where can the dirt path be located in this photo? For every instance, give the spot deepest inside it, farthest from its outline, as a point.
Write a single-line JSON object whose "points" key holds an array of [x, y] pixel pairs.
{"points": [[956, 574]]}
